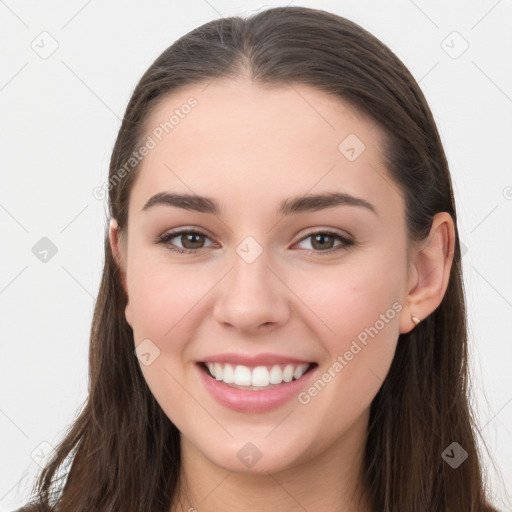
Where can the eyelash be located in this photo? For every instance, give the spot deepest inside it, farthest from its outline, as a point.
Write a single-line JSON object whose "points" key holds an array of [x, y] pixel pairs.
{"points": [[164, 240]]}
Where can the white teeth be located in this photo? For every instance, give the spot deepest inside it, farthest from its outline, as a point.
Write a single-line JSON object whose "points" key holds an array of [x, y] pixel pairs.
{"points": [[288, 373], [276, 375], [260, 376], [218, 370], [229, 375], [300, 371], [242, 376]]}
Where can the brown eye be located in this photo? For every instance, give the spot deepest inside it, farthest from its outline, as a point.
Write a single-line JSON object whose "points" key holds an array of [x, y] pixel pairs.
{"points": [[323, 242], [192, 241]]}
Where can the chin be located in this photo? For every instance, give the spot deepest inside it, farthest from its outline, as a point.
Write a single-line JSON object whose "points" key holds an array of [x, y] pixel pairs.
{"points": [[253, 454]]}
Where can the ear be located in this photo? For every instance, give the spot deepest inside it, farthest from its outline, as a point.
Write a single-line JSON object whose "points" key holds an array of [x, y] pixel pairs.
{"points": [[430, 266], [118, 248]]}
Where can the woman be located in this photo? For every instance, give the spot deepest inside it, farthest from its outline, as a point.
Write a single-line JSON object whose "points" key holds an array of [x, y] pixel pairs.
{"points": [[281, 319]]}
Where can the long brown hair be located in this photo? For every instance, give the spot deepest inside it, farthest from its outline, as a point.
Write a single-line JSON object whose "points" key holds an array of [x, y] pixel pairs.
{"points": [[123, 453]]}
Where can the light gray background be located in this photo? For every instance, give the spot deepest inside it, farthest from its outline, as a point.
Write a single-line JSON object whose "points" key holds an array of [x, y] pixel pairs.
{"points": [[60, 116]]}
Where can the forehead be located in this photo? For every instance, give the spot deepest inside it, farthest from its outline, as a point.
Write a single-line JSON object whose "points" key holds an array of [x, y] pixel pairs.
{"points": [[256, 145]]}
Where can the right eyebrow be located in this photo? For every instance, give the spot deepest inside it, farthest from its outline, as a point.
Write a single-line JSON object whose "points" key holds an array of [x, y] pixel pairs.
{"points": [[186, 201]]}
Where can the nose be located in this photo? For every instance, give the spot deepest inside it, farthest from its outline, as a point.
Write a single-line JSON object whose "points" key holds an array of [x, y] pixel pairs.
{"points": [[253, 297]]}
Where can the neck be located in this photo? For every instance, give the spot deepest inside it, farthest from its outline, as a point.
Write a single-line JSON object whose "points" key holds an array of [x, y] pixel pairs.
{"points": [[330, 480]]}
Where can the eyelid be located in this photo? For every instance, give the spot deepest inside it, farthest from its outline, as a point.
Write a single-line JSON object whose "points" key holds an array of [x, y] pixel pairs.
{"points": [[184, 230], [331, 231]]}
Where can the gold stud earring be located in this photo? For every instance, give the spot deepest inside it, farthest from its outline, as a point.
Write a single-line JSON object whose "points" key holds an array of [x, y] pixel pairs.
{"points": [[415, 319]]}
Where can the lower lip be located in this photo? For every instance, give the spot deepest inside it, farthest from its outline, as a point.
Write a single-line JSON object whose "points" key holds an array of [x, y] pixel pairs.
{"points": [[254, 401]]}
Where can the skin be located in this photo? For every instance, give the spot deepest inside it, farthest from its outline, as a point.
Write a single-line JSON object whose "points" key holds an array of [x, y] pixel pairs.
{"points": [[249, 148]]}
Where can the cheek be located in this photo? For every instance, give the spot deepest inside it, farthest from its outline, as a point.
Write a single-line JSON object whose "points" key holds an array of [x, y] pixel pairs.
{"points": [[360, 313], [351, 300], [164, 300], [163, 295], [167, 304]]}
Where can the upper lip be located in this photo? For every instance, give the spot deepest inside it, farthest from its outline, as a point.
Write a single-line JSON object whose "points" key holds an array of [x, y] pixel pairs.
{"points": [[253, 360]]}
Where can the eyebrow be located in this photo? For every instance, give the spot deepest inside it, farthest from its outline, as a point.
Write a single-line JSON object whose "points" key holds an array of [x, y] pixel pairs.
{"points": [[298, 204]]}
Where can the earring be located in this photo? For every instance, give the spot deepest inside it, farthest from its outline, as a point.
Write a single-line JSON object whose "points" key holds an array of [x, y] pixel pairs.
{"points": [[415, 319]]}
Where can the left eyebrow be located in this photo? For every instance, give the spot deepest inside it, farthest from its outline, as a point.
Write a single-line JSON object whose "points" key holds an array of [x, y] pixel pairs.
{"points": [[298, 204], [315, 202]]}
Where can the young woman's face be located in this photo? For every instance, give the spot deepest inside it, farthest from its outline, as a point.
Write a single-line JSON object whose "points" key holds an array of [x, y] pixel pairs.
{"points": [[266, 290]]}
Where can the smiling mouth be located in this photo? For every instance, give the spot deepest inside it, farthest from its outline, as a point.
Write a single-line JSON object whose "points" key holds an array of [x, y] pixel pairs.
{"points": [[256, 378]]}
